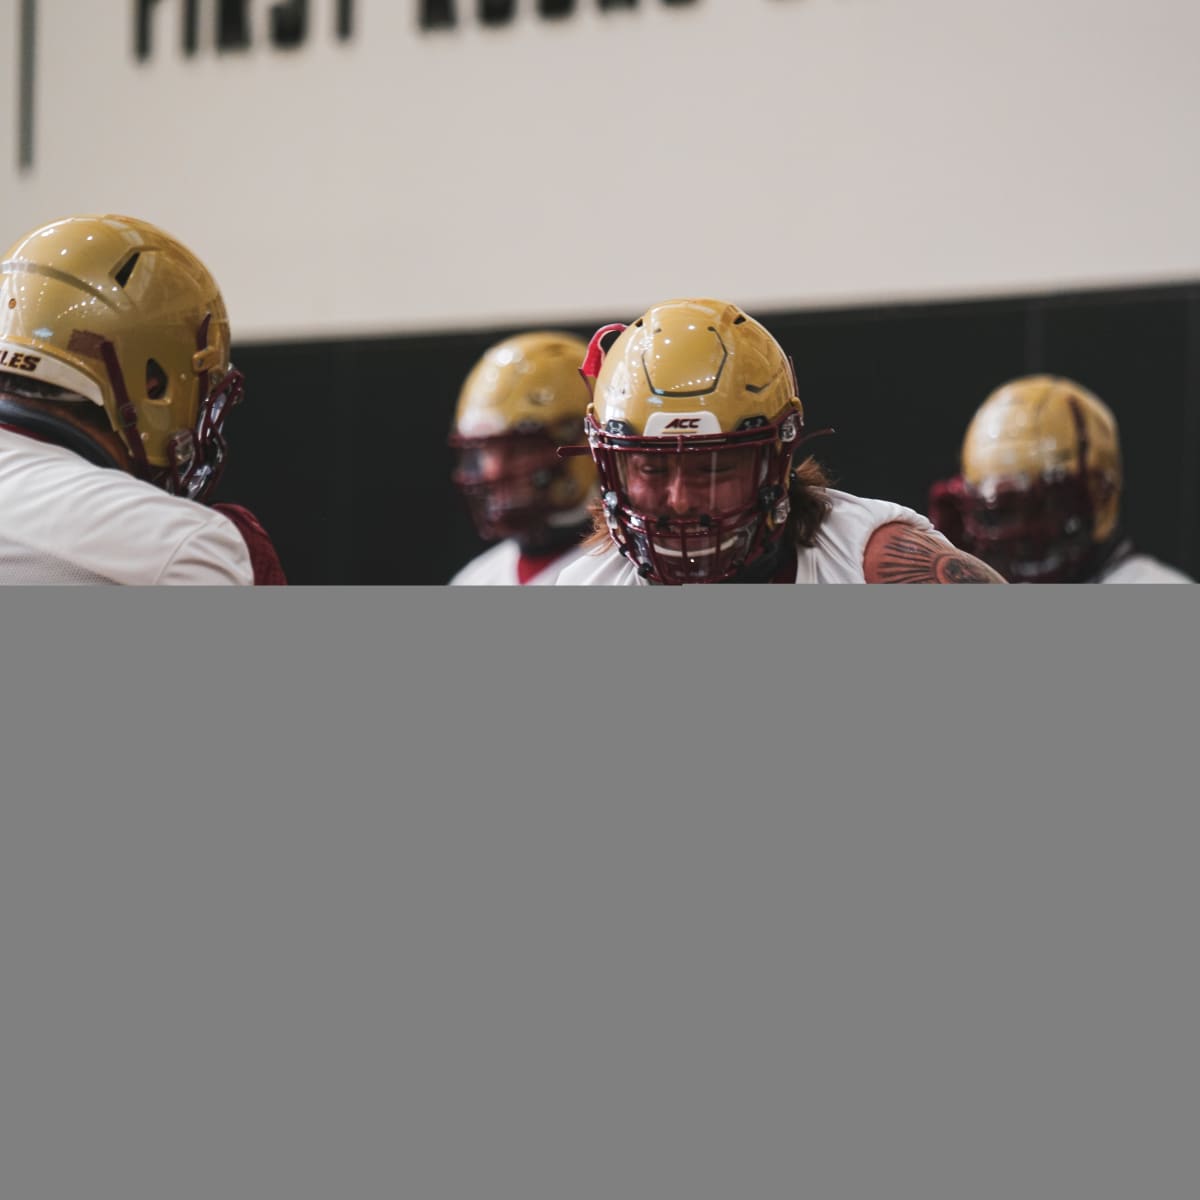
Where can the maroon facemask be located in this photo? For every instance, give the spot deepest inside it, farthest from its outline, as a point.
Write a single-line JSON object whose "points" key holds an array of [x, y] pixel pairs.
{"points": [[1040, 532], [507, 480], [698, 509], [1031, 531]]}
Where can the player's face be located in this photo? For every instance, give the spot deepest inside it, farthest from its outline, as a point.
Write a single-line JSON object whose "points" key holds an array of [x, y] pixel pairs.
{"points": [[507, 482], [698, 509], [694, 483], [1028, 534], [510, 460]]}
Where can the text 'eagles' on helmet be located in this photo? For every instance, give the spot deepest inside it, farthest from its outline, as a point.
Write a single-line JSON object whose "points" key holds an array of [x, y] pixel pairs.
{"points": [[112, 311], [520, 402], [693, 425], [1041, 480]]}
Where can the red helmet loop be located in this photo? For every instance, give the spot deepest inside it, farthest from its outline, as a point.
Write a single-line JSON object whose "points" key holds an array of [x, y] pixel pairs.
{"points": [[594, 358], [699, 546]]}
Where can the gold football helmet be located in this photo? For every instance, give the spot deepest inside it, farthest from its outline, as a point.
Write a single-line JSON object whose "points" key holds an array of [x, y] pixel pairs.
{"points": [[1041, 479], [520, 402], [112, 311], [693, 425]]}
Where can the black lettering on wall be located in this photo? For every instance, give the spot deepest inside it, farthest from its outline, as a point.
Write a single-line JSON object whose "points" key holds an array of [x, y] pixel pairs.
{"points": [[143, 14], [634, 3], [289, 19], [441, 14], [233, 25], [438, 14], [289, 23], [496, 12]]}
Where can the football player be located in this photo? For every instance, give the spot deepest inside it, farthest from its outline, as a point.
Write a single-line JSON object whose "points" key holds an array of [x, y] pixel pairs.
{"points": [[115, 384], [1039, 497], [694, 427], [521, 401]]}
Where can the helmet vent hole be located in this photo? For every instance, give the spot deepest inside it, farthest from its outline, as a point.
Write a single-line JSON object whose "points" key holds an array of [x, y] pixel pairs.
{"points": [[753, 390], [156, 380], [122, 276], [740, 320]]}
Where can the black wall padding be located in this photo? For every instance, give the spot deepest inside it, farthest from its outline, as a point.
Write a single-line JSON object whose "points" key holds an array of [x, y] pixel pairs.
{"points": [[340, 447]]}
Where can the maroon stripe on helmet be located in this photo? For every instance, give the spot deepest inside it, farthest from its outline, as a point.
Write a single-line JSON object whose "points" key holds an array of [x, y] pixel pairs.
{"points": [[92, 345], [1084, 445]]}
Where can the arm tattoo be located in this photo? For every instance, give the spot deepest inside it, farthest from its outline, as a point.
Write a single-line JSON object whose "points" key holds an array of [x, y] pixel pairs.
{"points": [[899, 553]]}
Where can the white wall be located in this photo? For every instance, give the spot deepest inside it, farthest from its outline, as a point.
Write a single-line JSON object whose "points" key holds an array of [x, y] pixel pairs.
{"points": [[783, 153]]}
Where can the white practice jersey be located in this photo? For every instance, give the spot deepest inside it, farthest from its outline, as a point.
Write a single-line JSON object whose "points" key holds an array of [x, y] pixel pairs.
{"points": [[1141, 568], [63, 520], [835, 557], [498, 565]]}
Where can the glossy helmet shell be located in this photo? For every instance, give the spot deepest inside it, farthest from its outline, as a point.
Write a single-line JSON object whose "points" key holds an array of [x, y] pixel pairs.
{"points": [[521, 401], [1041, 479], [691, 377], [114, 312]]}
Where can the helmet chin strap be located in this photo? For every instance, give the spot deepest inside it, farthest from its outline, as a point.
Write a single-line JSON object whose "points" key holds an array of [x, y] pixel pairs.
{"points": [[57, 430]]}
